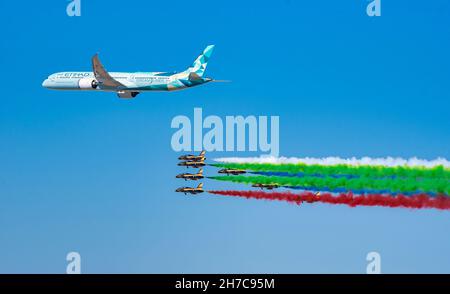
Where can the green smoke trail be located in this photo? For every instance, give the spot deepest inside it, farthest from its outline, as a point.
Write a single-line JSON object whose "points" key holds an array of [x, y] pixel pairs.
{"points": [[397, 184], [437, 172]]}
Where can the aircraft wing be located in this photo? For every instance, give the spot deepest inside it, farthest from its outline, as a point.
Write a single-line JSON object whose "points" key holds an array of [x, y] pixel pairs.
{"points": [[102, 76]]}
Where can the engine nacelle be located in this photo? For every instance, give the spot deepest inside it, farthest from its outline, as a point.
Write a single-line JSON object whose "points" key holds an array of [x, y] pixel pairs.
{"points": [[87, 83], [127, 94]]}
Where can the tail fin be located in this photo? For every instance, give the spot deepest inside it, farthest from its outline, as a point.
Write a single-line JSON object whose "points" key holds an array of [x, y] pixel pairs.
{"points": [[200, 186], [200, 171], [199, 65]]}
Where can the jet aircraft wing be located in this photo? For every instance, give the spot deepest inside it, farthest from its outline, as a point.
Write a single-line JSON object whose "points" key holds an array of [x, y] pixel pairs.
{"points": [[102, 76]]}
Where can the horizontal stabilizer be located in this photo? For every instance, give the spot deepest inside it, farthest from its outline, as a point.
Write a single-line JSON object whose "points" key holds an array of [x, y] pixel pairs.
{"points": [[221, 81]]}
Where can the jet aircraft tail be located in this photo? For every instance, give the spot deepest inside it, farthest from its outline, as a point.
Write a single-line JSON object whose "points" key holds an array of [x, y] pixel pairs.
{"points": [[197, 69]]}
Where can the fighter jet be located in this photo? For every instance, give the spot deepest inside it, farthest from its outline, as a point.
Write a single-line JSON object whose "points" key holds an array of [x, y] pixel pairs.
{"points": [[194, 177], [194, 164], [266, 186], [231, 171], [191, 190], [190, 157], [130, 84], [316, 198]]}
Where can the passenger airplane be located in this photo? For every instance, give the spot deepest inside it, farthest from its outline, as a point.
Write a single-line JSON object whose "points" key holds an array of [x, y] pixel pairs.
{"points": [[129, 85]]}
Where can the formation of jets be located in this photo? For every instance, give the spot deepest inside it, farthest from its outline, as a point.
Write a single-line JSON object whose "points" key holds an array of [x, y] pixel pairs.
{"points": [[197, 161], [194, 161], [130, 84]]}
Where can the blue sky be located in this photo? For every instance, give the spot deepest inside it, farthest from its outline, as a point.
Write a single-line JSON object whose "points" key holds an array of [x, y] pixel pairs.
{"points": [[91, 173]]}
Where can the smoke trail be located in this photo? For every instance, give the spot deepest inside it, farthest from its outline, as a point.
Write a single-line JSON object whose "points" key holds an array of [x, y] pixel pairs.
{"points": [[388, 161], [436, 172], [336, 190], [403, 185], [418, 201], [299, 175], [360, 191]]}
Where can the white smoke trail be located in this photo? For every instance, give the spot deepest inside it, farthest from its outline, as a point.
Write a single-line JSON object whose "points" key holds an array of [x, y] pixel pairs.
{"points": [[388, 161]]}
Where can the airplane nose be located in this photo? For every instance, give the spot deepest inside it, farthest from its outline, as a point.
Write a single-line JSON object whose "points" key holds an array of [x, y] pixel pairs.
{"points": [[45, 83]]}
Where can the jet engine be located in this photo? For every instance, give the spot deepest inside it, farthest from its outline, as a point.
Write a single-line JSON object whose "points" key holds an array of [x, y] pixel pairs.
{"points": [[87, 83], [127, 94]]}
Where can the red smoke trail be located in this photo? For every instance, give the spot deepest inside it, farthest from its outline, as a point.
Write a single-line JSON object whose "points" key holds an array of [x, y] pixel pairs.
{"points": [[415, 201]]}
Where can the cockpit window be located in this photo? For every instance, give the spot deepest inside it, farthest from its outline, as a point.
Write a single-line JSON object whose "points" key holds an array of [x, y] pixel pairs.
{"points": [[53, 76]]}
